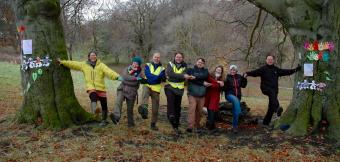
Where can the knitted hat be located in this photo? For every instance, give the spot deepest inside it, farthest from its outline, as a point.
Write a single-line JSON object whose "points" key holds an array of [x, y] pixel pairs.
{"points": [[233, 67], [137, 59]]}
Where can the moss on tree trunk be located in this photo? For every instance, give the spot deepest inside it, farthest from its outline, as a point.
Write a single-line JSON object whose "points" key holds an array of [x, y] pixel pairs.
{"points": [[310, 20], [50, 97]]}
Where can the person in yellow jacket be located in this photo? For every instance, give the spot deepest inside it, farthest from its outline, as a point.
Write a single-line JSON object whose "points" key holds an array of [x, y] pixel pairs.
{"points": [[94, 72], [155, 74]]}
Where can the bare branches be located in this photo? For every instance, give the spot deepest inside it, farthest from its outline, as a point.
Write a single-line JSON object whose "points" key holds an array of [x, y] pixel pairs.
{"points": [[274, 7], [251, 45]]}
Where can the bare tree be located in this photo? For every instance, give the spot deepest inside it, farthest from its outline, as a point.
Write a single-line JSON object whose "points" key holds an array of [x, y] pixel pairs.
{"points": [[141, 15], [7, 25]]}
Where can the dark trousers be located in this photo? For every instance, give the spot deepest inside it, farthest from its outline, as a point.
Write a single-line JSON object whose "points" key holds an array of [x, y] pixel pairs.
{"points": [[211, 119], [173, 107], [272, 106], [103, 100]]}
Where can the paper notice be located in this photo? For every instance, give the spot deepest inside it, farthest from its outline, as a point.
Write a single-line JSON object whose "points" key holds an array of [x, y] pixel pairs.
{"points": [[308, 69], [27, 46]]}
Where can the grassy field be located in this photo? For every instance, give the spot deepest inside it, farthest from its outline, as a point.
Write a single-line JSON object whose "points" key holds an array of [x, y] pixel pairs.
{"points": [[20, 142]]}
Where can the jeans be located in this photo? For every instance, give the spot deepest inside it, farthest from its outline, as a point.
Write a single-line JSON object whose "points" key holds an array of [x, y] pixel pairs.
{"points": [[236, 108]]}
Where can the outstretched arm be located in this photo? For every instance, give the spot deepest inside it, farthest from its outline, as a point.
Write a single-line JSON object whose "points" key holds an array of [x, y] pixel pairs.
{"points": [[285, 72], [75, 65], [255, 73], [110, 73]]}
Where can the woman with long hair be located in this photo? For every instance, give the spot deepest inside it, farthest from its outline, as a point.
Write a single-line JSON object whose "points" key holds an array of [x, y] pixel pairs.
{"points": [[212, 97]]}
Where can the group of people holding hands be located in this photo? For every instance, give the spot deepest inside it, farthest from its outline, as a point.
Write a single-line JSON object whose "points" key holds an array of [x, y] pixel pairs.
{"points": [[204, 88]]}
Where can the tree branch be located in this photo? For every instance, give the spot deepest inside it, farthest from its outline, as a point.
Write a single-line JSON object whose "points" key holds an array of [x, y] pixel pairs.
{"points": [[274, 7], [250, 47]]}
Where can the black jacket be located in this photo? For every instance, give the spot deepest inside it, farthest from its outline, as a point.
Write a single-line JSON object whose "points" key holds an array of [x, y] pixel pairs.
{"points": [[196, 87], [233, 85], [270, 76]]}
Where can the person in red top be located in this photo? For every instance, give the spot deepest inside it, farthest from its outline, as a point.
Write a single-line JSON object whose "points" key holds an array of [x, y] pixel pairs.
{"points": [[212, 97]]}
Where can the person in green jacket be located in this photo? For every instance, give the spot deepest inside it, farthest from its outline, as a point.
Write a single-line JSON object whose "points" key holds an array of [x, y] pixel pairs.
{"points": [[94, 72]]}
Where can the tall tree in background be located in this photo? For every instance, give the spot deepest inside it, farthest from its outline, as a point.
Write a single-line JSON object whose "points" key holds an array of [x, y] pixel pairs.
{"points": [[141, 15], [7, 25], [305, 21], [49, 96]]}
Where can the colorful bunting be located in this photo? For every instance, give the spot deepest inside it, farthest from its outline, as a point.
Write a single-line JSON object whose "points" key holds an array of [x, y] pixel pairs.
{"points": [[37, 63], [305, 85], [316, 46]]}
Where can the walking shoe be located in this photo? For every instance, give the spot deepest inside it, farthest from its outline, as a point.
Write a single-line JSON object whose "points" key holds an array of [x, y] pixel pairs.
{"points": [[143, 111], [200, 130], [265, 126], [103, 123], [279, 111], [114, 120], [177, 131], [235, 130], [153, 127], [131, 125]]}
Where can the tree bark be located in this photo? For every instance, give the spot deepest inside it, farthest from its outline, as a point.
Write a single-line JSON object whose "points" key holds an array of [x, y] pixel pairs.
{"points": [[308, 20], [50, 96]]}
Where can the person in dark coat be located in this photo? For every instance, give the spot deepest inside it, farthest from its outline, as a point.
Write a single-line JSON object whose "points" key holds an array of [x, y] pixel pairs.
{"points": [[270, 74], [212, 97], [174, 89], [232, 90], [196, 92]]}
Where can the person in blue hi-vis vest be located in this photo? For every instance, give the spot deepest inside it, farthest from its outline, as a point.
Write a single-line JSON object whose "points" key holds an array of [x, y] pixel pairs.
{"points": [[155, 74]]}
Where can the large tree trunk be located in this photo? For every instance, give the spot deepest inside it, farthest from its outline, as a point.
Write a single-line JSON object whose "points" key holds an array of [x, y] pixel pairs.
{"points": [[307, 20], [49, 96]]}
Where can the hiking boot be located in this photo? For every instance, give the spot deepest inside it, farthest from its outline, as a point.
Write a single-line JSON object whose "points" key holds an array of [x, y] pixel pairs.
{"points": [[235, 130], [266, 126], [200, 130], [177, 131], [131, 125], [189, 130], [143, 111], [153, 127], [279, 111], [215, 132], [114, 119], [103, 123]]}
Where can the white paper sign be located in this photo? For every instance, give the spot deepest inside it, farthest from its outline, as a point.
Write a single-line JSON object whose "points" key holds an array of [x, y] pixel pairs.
{"points": [[308, 69], [27, 46]]}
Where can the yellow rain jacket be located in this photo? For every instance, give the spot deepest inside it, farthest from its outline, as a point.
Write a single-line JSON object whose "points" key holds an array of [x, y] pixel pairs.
{"points": [[94, 77]]}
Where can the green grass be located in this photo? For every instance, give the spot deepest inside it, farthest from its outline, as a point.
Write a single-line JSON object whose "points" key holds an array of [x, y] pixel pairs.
{"points": [[10, 88], [119, 143], [9, 75]]}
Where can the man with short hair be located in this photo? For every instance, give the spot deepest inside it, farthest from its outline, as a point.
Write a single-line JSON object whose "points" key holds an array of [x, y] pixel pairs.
{"points": [[270, 74], [155, 74]]}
